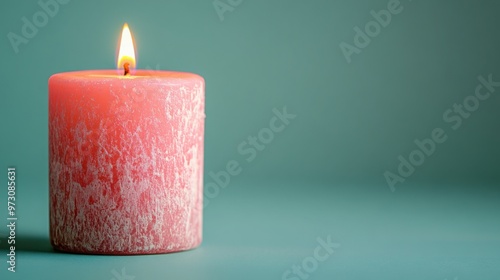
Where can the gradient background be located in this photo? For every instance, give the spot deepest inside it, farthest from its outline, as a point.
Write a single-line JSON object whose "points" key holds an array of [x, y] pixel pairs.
{"points": [[323, 175]]}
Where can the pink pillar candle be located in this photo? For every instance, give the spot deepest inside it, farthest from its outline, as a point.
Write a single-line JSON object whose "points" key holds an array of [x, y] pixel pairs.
{"points": [[126, 161]]}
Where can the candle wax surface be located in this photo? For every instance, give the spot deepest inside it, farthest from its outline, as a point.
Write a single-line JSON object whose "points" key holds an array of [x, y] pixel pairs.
{"points": [[126, 161]]}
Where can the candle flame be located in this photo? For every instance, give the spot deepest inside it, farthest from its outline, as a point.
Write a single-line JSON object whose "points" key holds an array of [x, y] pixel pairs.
{"points": [[126, 54]]}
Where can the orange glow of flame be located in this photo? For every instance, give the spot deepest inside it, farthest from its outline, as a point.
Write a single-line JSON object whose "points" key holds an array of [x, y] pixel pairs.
{"points": [[126, 54]]}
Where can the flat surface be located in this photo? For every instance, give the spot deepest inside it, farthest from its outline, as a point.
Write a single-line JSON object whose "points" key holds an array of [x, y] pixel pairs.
{"points": [[259, 231]]}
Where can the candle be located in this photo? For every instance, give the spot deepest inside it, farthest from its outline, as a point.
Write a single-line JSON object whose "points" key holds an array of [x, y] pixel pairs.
{"points": [[126, 159]]}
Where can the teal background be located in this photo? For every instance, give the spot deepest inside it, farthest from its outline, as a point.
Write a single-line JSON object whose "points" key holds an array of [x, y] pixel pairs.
{"points": [[324, 173]]}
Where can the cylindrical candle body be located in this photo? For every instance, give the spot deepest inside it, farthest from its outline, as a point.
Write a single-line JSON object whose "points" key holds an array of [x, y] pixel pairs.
{"points": [[126, 161]]}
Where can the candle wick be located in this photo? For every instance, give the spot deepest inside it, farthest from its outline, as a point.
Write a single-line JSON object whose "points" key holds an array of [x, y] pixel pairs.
{"points": [[126, 68]]}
